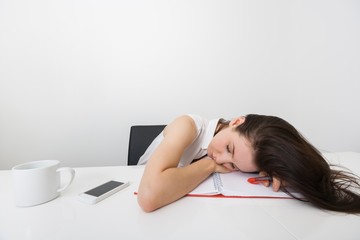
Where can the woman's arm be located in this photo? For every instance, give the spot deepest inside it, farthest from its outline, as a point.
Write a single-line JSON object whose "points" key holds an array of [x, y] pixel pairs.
{"points": [[162, 182]]}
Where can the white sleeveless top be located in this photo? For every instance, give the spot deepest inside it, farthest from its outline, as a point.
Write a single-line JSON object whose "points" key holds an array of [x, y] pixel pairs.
{"points": [[198, 148]]}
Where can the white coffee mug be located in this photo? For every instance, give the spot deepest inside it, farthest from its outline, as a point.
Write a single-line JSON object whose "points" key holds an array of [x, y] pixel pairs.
{"points": [[39, 182]]}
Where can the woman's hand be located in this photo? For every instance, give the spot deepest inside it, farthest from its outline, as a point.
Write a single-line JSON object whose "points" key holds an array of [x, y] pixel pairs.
{"points": [[217, 167], [276, 182]]}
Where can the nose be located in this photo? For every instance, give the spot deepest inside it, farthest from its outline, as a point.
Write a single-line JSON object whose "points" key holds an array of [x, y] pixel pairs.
{"points": [[223, 160], [220, 158], [211, 155]]}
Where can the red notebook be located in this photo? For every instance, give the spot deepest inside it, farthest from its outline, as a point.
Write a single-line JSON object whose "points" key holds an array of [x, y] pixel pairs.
{"points": [[235, 185]]}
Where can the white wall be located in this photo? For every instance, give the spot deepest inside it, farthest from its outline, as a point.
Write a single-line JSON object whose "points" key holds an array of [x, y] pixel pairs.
{"points": [[75, 74]]}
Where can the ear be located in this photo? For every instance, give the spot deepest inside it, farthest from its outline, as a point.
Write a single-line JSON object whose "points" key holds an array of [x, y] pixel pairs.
{"points": [[237, 121]]}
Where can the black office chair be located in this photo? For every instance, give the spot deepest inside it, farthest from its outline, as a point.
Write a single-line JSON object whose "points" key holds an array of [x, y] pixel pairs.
{"points": [[141, 137]]}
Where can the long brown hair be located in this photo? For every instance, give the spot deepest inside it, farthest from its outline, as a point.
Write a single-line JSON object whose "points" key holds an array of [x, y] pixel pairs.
{"points": [[282, 152]]}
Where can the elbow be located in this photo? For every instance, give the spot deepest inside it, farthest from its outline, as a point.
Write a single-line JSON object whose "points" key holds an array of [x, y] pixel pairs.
{"points": [[147, 202]]}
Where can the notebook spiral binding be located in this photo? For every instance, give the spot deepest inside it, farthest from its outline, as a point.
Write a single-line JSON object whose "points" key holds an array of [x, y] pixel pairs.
{"points": [[217, 181]]}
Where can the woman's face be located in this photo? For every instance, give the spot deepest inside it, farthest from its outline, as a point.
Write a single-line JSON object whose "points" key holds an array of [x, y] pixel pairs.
{"points": [[232, 150]]}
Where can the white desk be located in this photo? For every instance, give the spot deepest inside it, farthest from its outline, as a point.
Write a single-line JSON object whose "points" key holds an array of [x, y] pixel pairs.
{"points": [[119, 217]]}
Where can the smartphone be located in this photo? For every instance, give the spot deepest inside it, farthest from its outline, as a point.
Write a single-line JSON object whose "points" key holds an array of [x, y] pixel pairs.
{"points": [[102, 191]]}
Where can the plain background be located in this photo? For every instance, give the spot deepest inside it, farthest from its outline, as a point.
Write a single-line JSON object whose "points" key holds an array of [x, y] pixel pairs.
{"points": [[76, 74]]}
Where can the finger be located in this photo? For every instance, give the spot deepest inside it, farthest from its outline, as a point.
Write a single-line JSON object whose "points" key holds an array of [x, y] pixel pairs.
{"points": [[276, 184], [265, 183], [264, 174]]}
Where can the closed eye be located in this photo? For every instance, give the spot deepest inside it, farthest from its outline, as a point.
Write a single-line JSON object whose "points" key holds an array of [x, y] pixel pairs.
{"points": [[228, 148]]}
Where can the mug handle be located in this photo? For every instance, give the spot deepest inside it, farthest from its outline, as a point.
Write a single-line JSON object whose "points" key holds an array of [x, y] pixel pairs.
{"points": [[72, 175]]}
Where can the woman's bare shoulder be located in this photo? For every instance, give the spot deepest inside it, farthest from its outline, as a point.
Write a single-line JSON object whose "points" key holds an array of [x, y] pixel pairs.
{"points": [[182, 127], [183, 123]]}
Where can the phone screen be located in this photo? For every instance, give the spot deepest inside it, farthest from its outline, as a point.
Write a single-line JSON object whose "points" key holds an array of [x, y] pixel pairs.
{"points": [[100, 190]]}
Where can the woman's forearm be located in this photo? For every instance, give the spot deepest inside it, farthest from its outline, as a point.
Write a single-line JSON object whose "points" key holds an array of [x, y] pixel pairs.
{"points": [[159, 189]]}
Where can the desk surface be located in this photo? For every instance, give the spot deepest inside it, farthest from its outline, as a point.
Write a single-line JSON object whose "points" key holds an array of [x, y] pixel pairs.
{"points": [[119, 216]]}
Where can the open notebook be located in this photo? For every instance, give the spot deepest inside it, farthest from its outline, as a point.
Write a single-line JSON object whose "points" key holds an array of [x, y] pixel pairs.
{"points": [[235, 185]]}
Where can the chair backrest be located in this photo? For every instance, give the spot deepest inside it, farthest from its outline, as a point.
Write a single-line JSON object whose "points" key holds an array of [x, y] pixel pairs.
{"points": [[140, 138]]}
